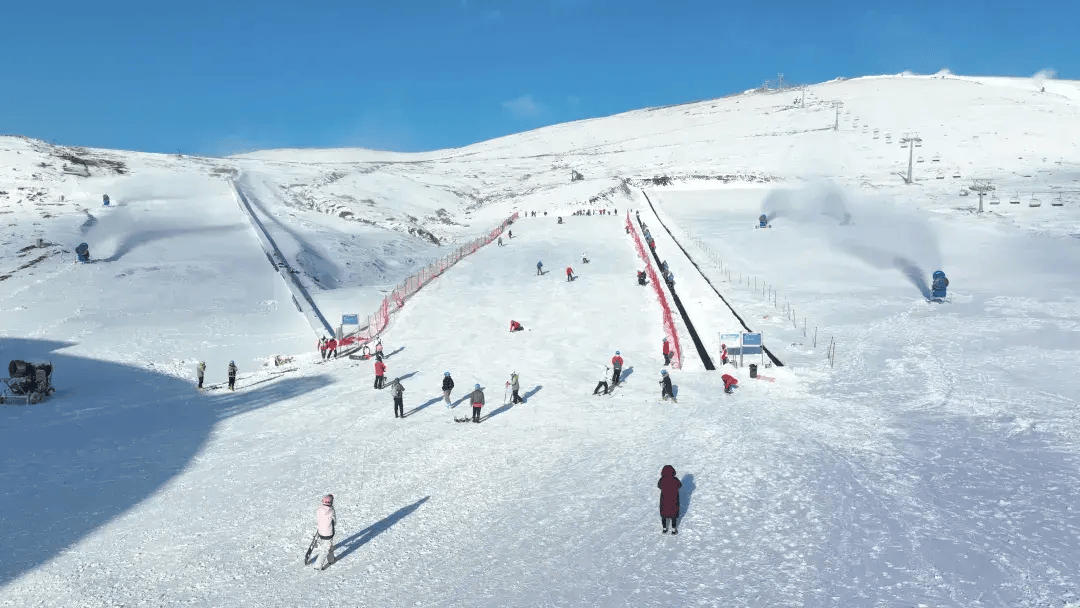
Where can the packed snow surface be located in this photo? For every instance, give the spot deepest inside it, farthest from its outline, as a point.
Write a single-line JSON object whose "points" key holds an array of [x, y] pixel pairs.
{"points": [[933, 461]]}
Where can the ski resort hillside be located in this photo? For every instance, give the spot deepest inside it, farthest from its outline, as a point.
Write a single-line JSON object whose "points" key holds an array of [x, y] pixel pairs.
{"points": [[892, 445]]}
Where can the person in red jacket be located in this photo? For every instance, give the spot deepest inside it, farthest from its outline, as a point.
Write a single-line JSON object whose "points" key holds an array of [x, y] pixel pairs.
{"points": [[515, 326], [331, 348], [730, 382], [667, 352], [669, 486], [616, 372], [380, 369], [569, 274]]}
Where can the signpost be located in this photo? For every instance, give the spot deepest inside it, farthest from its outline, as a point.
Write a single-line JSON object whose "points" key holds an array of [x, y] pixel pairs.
{"points": [[752, 339]]}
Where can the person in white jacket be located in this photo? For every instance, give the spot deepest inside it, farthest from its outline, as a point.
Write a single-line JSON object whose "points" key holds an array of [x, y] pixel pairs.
{"points": [[325, 520]]}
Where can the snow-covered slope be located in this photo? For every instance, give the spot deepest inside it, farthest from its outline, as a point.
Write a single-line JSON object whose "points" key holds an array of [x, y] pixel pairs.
{"points": [[932, 464]]}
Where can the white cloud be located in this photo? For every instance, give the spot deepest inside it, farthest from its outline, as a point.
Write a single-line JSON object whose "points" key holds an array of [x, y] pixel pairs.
{"points": [[524, 107]]}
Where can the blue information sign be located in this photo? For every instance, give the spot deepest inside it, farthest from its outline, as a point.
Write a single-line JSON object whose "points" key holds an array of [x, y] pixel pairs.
{"points": [[350, 319]]}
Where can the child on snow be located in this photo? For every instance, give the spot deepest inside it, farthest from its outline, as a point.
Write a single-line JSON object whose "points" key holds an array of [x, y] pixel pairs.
{"points": [[325, 521], [602, 384], [665, 386], [477, 399], [669, 486], [515, 326], [513, 384], [399, 400], [616, 373], [723, 354], [232, 375], [667, 352], [447, 386], [730, 382]]}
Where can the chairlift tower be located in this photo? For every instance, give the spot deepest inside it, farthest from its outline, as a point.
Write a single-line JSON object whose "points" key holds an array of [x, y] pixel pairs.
{"points": [[982, 186], [836, 125], [910, 139]]}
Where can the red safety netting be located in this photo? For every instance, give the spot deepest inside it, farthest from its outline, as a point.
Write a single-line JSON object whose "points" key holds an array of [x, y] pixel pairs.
{"points": [[669, 322], [380, 319]]}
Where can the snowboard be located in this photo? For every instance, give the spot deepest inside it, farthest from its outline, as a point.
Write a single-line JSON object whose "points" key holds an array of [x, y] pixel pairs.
{"points": [[469, 419]]}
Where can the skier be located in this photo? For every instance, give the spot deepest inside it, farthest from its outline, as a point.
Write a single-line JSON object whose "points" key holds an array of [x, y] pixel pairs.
{"points": [[500, 242], [200, 370], [399, 400], [665, 386], [540, 268], [616, 374], [325, 520], [511, 233], [447, 386], [602, 384], [730, 382], [515, 326], [569, 274], [513, 384], [477, 399], [322, 347], [378, 350], [723, 354], [380, 369], [669, 486], [584, 258], [232, 375], [667, 352], [641, 278], [670, 279], [331, 348]]}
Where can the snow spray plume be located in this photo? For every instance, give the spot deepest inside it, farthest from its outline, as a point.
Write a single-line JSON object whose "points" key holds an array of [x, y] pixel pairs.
{"points": [[876, 232], [121, 232]]}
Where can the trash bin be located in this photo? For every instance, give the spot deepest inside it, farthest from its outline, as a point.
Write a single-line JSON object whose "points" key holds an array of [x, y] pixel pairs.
{"points": [[753, 370]]}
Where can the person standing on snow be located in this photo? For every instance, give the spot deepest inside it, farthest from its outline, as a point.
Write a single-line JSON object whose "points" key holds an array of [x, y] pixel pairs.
{"points": [[232, 375], [398, 392], [539, 268], [584, 258], [500, 242], [200, 371], [602, 383], [447, 386], [730, 382], [569, 274], [723, 354], [513, 384], [511, 233], [616, 373], [665, 386], [669, 486], [380, 369], [378, 350], [322, 347], [477, 398], [667, 352], [331, 348], [325, 521]]}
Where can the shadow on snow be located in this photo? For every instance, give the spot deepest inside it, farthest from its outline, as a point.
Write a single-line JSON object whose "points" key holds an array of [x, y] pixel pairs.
{"points": [[364, 536]]}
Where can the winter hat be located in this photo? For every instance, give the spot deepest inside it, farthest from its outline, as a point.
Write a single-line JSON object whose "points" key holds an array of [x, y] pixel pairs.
{"points": [[328, 500], [723, 346], [616, 352], [477, 386], [665, 339], [446, 373], [663, 372], [231, 362]]}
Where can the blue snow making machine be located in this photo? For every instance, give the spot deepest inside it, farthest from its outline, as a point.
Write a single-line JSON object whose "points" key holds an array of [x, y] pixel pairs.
{"points": [[938, 287]]}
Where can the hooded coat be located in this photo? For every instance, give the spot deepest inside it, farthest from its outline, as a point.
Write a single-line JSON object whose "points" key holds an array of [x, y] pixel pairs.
{"points": [[447, 383], [669, 492], [729, 381]]}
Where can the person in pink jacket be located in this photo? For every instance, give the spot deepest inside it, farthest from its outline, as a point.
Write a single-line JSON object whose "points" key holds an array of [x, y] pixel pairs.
{"points": [[325, 521]]}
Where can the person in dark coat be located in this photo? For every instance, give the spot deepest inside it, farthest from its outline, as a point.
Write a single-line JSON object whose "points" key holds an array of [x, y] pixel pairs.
{"points": [[398, 393], [232, 375], [447, 386], [665, 387], [669, 498]]}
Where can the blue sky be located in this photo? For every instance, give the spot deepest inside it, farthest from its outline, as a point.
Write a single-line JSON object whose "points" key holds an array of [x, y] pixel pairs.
{"points": [[221, 77]]}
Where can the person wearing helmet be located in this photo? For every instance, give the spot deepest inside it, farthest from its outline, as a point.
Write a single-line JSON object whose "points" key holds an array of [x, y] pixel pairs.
{"points": [[665, 386], [513, 384], [398, 392], [380, 371], [477, 398], [447, 386], [325, 521], [667, 352], [539, 268], [723, 354], [200, 371], [232, 375], [616, 373]]}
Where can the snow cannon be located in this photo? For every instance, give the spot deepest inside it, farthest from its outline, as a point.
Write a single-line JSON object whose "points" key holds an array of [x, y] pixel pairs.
{"points": [[105, 199], [763, 221], [32, 381], [83, 251], [938, 287]]}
